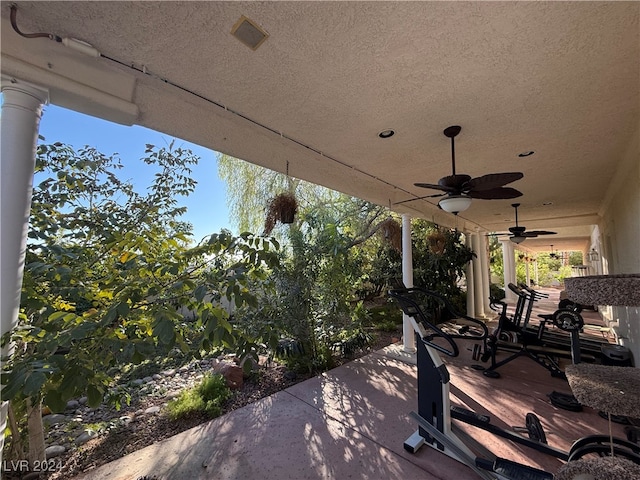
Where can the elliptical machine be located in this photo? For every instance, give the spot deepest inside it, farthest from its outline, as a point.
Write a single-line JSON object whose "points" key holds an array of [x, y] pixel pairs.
{"points": [[428, 312]]}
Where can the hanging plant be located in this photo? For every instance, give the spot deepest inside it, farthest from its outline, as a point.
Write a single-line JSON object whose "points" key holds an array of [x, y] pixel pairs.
{"points": [[282, 208], [391, 232], [437, 241]]}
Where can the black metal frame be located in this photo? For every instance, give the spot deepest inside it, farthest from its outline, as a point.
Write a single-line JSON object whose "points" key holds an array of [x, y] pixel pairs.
{"points": [[434, 412]]}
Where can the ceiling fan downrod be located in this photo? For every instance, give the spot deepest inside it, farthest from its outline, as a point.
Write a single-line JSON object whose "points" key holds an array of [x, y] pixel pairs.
{"points": [[451, 132], [515, 206]]}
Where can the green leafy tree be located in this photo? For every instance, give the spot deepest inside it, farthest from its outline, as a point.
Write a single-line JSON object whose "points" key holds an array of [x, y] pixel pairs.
{"points": [[109, 275], [440, 259], [323, 260], [496, 268]]}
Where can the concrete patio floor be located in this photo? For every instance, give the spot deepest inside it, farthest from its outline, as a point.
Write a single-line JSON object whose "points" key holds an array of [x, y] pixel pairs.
{"points": [[351, 423]]}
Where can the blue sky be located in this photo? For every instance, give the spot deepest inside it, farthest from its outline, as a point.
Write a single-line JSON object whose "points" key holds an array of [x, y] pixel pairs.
{"points": [[206, 207]]}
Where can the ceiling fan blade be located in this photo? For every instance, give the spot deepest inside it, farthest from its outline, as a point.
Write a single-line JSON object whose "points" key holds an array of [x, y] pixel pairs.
{"points": [[455, 181], [539, 232], [495, 193], [444, 188], [420, 198], [492, 180]]}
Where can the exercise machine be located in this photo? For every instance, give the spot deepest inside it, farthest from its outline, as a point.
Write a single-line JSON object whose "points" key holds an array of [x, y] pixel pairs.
{"points": [[428, 312], [559, 338], [527, 344]]}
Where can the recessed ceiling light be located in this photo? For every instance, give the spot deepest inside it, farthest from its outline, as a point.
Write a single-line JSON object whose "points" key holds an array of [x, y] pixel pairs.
{"points": [[386, 133], [526, 154]]}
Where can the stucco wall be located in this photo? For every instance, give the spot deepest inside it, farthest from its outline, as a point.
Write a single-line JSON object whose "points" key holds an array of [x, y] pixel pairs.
{"points": [[620, 230]]}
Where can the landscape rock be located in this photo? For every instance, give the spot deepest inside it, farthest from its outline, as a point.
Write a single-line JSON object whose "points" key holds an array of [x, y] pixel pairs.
{"points": [[126, 419], [85, 436], [53, 419], [53, 451], [152, 410], [173, 394], [232, 374]]}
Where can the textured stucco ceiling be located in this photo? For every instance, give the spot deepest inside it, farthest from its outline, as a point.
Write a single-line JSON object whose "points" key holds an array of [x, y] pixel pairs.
{"points": [[559, 78]]}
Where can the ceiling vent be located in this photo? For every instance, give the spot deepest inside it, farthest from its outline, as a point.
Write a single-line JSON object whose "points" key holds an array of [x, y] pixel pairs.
{"points": [[249, 33]]}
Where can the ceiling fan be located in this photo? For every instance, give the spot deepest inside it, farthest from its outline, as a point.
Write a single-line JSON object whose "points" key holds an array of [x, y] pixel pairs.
{"points": [[519, 234], [556, 255], [459, 189]]}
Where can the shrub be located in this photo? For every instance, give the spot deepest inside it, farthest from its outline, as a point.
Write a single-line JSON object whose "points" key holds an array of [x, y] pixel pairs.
{"points": [[208, 397], [496, 292]]}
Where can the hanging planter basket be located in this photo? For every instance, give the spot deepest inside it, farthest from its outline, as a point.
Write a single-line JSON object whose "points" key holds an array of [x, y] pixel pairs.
{"points": [[391, 232], [282, 208], [437, 242]]}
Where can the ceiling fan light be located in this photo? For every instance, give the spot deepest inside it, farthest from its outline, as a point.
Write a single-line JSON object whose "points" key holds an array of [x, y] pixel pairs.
{"points": [[455, 203], [517, 238]]}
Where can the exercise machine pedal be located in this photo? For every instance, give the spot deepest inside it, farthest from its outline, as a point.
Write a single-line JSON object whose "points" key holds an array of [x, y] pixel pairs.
{"points": [[459, 452], [469, 416], [514, 471]]}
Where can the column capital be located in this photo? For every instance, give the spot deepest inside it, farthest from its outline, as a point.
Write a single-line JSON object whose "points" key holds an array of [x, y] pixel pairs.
{"points": [[10, 85]]}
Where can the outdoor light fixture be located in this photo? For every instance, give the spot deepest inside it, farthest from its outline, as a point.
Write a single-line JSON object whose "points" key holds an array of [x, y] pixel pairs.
{"points": [[455, 203], [593, 255], [517, 238]]}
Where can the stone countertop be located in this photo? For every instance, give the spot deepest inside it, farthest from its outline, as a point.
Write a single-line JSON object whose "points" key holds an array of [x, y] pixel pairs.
{"points": [[615, 390], [616, 290]]}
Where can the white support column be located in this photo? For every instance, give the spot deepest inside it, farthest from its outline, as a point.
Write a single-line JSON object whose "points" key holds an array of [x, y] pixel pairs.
{"points": [[485, 273], [471, 277], [509, 263], [408, 333], [21, 112]]}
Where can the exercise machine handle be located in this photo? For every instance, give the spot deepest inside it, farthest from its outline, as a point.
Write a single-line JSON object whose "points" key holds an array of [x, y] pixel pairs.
{"points": [[408, 299]]}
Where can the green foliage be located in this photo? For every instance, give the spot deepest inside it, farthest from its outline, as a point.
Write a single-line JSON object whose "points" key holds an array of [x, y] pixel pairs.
{"points": [[331, 258], [440, 259], [350, 341], [385, 317], [208, 397], [496, 262], [550, 269], [112, 278], [496, 292]]}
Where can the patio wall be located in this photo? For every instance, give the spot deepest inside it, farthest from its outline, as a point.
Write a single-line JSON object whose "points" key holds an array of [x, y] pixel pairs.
{"points": [[620, 239]]}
